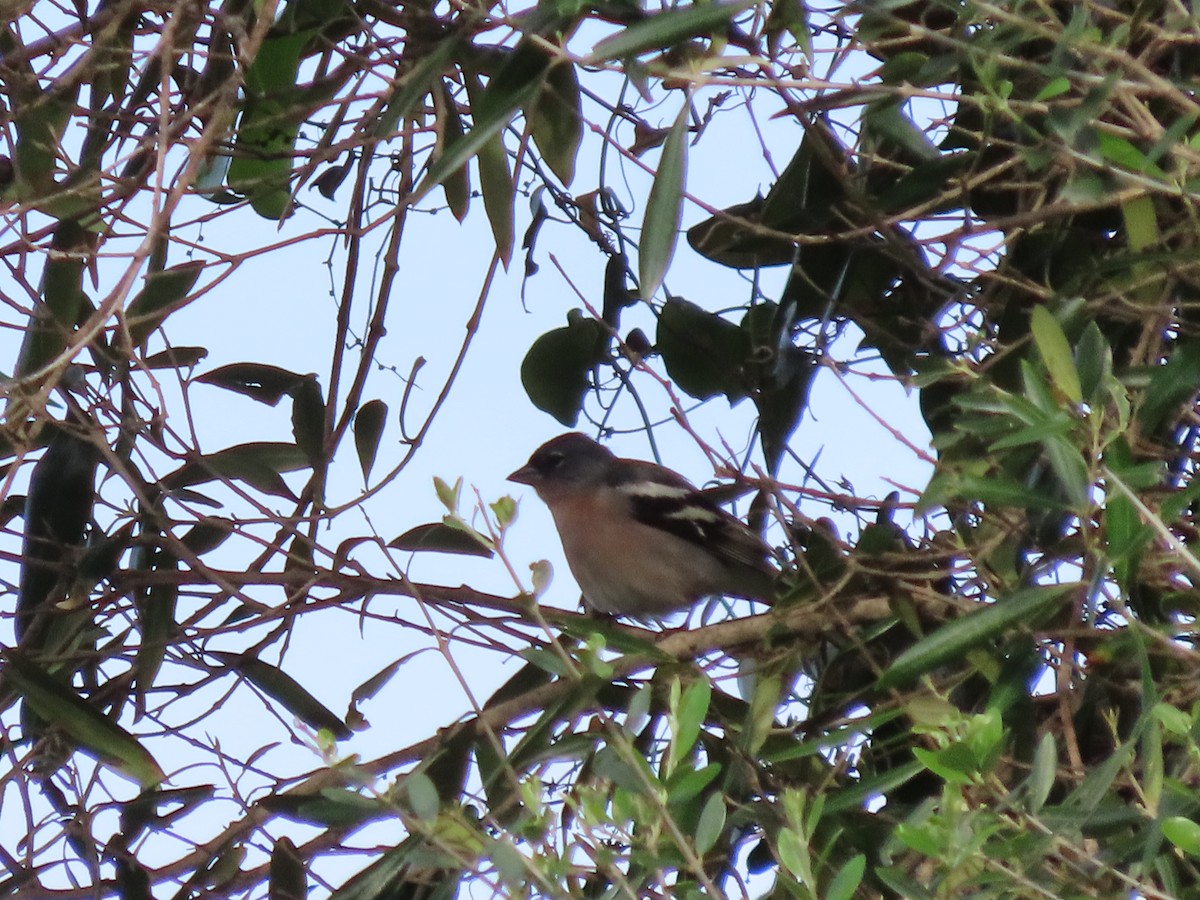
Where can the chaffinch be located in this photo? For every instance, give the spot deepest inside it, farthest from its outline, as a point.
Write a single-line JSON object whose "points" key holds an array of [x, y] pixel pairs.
{"points": [[640, 539]]}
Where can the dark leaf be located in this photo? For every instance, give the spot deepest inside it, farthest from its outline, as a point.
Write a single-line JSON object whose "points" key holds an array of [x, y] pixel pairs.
{"points": [[156, 612], [1170, 387], [258, 464], [617, 295], [736, 238], [57, 509], [278, 685], [1024, 608], [331, 179], [288, 879], [665, 29], [781, 398], [703, 353], [456, 184], [332, 807], [163, 293], [267, 384], [413, 85], [556, 368], [441, 538], [62, 301], [64, 709], [556, 122], [40, 122], [495, 179], [207, 534], [308, 419], [517, 81], [368, 429], [175, 358]]}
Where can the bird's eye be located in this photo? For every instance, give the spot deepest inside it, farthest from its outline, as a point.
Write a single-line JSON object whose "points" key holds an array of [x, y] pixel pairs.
{"points": [[553, 461]]}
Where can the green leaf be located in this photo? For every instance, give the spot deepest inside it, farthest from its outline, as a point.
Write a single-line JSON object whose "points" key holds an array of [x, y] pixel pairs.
{"points": [[422, 796], [457, 184], [686, 784], [269, 125], [62, 302], [449, 495], [492, 109], [175, 358], [1043, 773], [556, 120], [664, 208], [703, 353], [308, 418], [688, 713], [1183, 833], [40, 119], [952, 640], [665, 29], [887, 121], [1093, 362], [287, 879], [162, 294], [1170, 386], [555, 370], [414, 84], [258, 463], [845, 883], [156, 612], [1053, 88], [711, 823], [437, 537], [1000, 490], [259, 381], [1141, 222], [1056, 353], [95, 733], [368, 430], [332, 807], [280, 686]]}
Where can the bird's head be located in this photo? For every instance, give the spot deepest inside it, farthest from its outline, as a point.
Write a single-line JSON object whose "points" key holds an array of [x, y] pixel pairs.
{"points": [[563, 464]]}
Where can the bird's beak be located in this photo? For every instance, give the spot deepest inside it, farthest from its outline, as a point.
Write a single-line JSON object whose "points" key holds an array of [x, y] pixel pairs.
{"points": [[524, 475]]}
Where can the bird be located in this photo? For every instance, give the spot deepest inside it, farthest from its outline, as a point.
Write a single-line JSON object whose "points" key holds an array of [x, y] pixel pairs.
{"points": [[640, 539]]}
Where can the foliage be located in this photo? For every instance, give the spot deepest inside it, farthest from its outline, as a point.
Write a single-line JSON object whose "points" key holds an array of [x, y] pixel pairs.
{"points": [[984, 688]]}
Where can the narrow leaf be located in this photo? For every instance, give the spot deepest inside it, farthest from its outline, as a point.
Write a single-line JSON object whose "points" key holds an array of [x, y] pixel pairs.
{"points": [[278, 685], [556, 120], [59, 705], [1056, 353], [956, 637], [258, 463], [441, 538], [414, 85], [287, 879], [664, 209], [711, 824], [368, 429], [516, 83], [664, 29], [845, 883], [259, 381], [163, 293], [687, 718]]}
